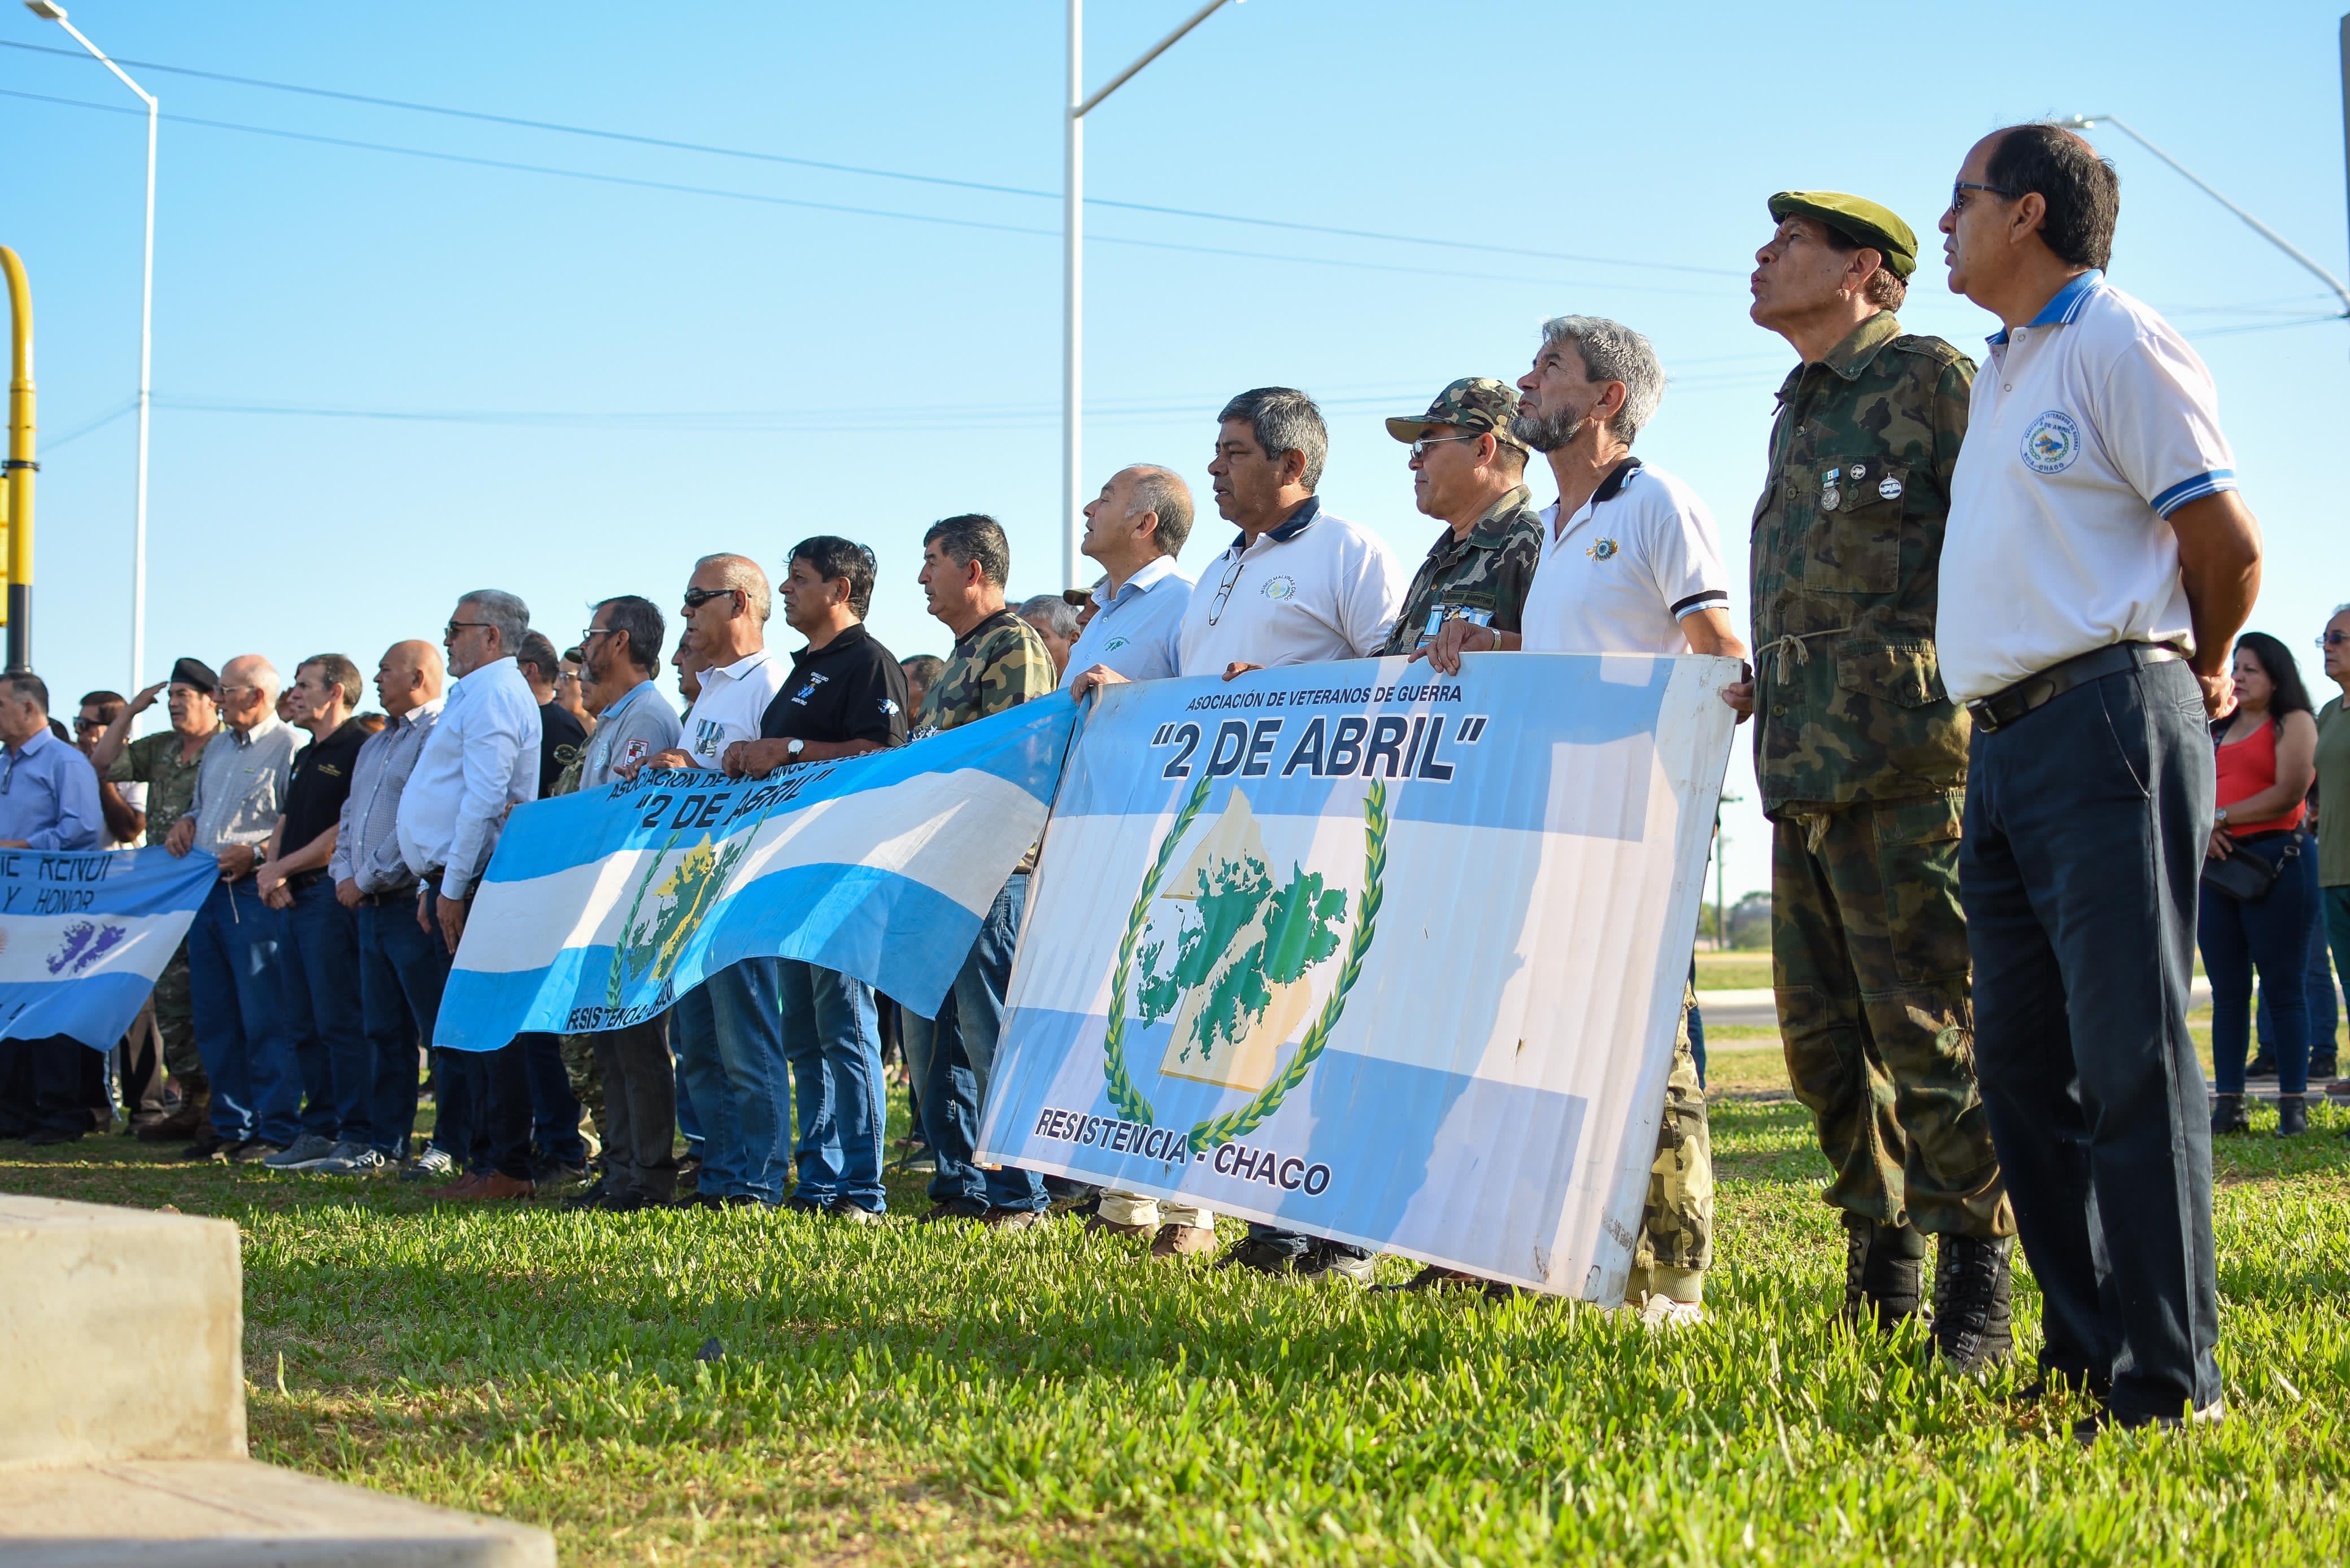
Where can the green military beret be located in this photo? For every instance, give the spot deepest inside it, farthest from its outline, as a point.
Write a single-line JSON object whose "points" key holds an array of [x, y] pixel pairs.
{"points": [[1860, 221]]}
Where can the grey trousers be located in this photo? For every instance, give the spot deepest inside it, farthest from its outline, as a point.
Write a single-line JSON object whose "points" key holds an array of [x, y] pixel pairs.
{"points": [[639, 1110]]}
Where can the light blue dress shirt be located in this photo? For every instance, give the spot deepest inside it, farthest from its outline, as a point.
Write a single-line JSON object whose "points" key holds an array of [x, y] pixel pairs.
{"points": [[480, 763], [48, 796], [1136, 632]]}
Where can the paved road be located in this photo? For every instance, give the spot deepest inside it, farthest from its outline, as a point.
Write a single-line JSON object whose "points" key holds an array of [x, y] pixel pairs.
{"points": [[1756, 1006]]}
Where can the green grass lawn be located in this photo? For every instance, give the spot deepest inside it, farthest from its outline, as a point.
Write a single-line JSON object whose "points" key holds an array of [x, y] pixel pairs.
{"points": [[950, 1396]]}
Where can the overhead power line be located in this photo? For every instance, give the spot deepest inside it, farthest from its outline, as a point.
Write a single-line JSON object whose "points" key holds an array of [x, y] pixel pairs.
{"points": [[713, 149], [765, 200]]}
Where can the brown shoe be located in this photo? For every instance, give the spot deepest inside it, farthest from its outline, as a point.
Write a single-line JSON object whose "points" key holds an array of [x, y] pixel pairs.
{"points": [[463, 1187], [190, 1120], [497, 1185], [1096, 1225], [1012, 1218], [1183, 1242]]}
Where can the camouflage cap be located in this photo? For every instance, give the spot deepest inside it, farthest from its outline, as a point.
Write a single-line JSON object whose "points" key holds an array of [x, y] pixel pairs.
{"points": [[1859, 220], [1471, 403]]}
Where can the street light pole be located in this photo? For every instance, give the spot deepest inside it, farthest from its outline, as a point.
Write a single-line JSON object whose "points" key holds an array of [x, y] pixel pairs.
{"points": [[49, 10], [2341, 290], [1073, 262]]}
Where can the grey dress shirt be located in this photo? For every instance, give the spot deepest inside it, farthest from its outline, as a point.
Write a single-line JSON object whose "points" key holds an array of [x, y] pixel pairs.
{"points": [[367, 849], [241, 783]]}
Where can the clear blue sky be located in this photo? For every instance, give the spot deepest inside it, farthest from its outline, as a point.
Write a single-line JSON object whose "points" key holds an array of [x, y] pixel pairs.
{"points": [[607, 380]]}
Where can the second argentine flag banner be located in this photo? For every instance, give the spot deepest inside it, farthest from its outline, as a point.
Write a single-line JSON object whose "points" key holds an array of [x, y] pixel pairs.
{"points": [[603, 908], [1376, 954]]}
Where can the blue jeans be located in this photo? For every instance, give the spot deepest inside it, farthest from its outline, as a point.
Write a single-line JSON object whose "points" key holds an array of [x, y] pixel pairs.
{"points": [[833, 1044], [2271, 934], [2325, 1014], [728, 1032], [962, 1055], [2086, 822], [400, 977], [326, 1017], [235, 949], [554, 1109]]}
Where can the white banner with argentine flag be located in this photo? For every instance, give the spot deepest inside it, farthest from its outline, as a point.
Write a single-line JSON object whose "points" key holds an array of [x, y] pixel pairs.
{"points": [[83, 937], [602, 908], [1375, 954]]}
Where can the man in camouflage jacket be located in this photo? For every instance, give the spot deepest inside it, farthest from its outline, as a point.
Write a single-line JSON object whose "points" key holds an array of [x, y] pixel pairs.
{"points": [[1468, 470], [1862, 761], [998, 662]]}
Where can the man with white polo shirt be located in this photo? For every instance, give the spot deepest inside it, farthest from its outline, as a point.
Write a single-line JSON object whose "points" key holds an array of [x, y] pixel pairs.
{"points": [[728, 1032], [1630, 564], [1135, 529], [1296, 586], [2096, 566]]}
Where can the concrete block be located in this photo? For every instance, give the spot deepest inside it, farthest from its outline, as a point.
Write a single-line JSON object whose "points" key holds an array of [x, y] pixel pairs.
{"points": [[234, 1513], [121, 1334]]}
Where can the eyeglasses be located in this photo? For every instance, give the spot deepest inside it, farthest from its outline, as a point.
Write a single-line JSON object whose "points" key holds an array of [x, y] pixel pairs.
{"points": [[451, 629], [2330, 640], [1216, 610], [1960, 187], [225, 691], [697, 597], [1420, 448]]}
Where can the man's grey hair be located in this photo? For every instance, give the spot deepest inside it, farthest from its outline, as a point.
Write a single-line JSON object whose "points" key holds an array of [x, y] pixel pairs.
{"points": [[2339, 609], [502, 613], [743, 573], [1612, 351], [1162, 490], [27, 687], [1284, 420], [1059, 615], [259, 670]]}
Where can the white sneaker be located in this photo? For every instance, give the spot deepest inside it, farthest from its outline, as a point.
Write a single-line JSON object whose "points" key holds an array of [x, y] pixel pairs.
{"points": [[351, 1159], [1660, 1314]]}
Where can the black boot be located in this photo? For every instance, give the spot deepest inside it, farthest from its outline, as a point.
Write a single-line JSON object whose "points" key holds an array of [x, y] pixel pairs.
{"points": [[2227, 1114], [1971, 1291], [2262, 1065], [1883, 1275], [2293, 1115]]}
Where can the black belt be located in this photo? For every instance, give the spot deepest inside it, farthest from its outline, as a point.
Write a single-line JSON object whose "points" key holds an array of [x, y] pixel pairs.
{"points": [[2002, 709], [302, 879], [395, 896]]}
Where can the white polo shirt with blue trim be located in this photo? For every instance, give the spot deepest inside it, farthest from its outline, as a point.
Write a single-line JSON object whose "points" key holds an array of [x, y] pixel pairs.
{"points": [[2088, 427], [1137, 631], [1318, 588]]}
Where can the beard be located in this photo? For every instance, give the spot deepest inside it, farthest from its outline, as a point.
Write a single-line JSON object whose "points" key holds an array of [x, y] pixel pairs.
{"points": [[1559, 429]]}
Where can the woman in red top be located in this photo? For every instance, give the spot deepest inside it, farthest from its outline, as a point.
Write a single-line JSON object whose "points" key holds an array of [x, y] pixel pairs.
{"points": [[2267, 759]]}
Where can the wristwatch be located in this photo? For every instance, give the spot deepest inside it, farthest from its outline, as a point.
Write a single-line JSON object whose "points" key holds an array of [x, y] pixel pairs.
{"points": [[795, 748], [2223, 816]]}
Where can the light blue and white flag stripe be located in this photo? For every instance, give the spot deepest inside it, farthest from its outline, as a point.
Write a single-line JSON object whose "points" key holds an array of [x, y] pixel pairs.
{"points": [[601, 908], [83, 936]]}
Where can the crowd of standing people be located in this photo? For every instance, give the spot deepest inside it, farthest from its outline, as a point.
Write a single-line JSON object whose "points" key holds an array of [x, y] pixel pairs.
{"points": [[2018, 762]]}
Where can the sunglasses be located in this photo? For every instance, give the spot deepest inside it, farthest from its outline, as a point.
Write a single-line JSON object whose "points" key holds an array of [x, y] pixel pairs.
{"points": [[1960, 187], [697, 597], [2331, 639], [1420, 448]]}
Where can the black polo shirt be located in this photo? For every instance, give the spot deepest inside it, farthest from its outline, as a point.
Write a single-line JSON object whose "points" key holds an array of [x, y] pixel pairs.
{"points": [[321, 783], [560, 736], [849, 689]]}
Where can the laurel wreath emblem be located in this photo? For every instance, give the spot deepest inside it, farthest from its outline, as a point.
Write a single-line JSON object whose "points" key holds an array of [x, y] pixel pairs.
{"points": [[1240, 1122]]}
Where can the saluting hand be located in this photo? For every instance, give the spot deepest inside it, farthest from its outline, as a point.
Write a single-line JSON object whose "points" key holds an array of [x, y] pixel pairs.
{"points": [[146, 697]]}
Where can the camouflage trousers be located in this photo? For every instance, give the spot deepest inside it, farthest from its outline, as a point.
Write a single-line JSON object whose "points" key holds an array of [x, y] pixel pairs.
{"points": [[579, 1065], [1677, 1219], [1868, 951], [175, 1019]]}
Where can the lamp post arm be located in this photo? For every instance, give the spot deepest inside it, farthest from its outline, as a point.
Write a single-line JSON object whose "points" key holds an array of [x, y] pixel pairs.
{"points": [[1157, 50], [2341, 291], [99, 56]]}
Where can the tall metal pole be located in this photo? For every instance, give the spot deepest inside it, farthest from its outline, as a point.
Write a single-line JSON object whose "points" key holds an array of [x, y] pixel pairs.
{"points": [[49, 10], [20, 466], [1073, 289], [2346, 96], [1073, 262]]}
